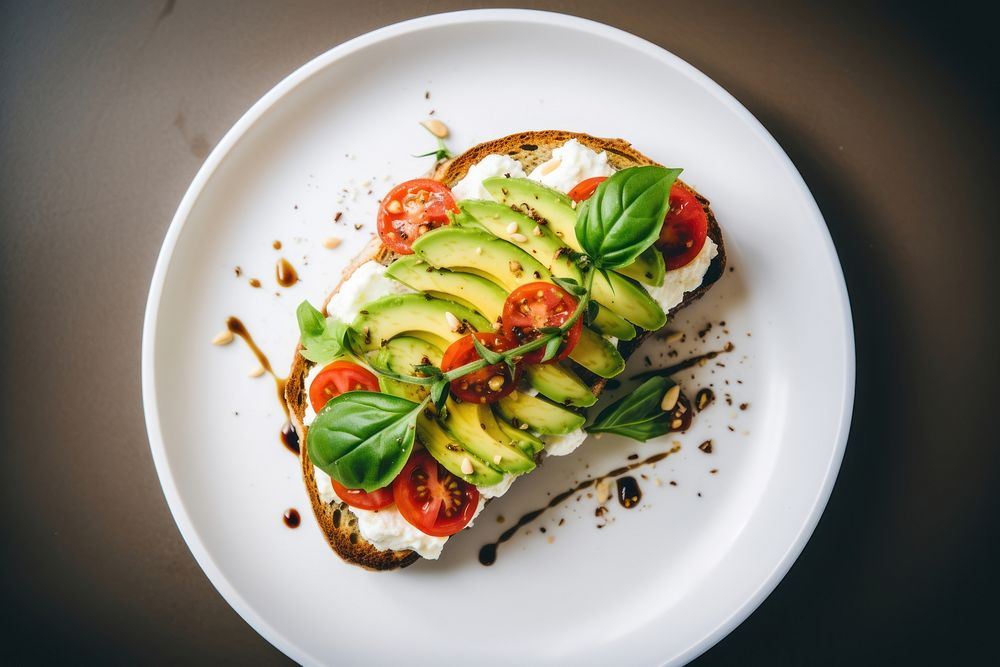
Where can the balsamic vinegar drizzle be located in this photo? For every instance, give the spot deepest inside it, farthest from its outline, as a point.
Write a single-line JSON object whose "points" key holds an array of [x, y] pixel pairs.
{"points": [[289, 436], [285, 273], [683, 365], [488, 553], [629, 493]]}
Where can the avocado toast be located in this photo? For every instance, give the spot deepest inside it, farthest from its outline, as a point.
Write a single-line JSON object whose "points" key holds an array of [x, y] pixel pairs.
{"points": [[431, 312]]}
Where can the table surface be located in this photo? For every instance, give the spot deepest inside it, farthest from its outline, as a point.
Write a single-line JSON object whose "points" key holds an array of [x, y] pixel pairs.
{"points": [[108, 109]]}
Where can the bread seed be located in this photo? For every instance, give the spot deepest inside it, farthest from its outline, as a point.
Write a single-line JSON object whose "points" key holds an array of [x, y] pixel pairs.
{"points": [[670, 398], [511, 228], [497, 459], [537, 231], [394, 206], [436, 127], [467, 468], [257, 372], [515, 267], [331, 243], [496, 382], [674, 337], [479, 251], [224, 338], [676, 423], [453, 322], [551, 166], [523, 427], [518, 238]]}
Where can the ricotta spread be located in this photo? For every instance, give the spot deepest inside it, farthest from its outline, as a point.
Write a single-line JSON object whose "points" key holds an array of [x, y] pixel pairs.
{"points": [[561, 445], [680, 281], [471, 185], [571, 163]]}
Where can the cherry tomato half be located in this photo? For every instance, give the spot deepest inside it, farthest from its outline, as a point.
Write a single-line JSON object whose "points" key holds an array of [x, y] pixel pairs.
{"points": [[411, 209], [486, 385], [533, 306], [585, 188], [338, 378], [432, 499], [374, 500], [684, 229]]}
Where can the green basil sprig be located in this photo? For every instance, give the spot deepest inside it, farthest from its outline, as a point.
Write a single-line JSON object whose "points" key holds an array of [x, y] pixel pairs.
{"points": [[363, 438], [637, 415], [323, 339], [624, 215]]}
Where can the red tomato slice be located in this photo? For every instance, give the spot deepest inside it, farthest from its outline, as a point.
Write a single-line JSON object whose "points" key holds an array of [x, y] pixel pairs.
{"points": [[684, 229], [533, 306], [375, 500], [411, 209], [432, 499], [338, 378], [585, 188], [476, 387]]}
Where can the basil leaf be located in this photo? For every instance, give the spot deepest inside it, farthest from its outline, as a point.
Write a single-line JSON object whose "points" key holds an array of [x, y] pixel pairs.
{"points": [[323, 339], [488, 355], [439, 393], [570, 285], [552, 349], [638, 414], [363, 438], [625, 214]]}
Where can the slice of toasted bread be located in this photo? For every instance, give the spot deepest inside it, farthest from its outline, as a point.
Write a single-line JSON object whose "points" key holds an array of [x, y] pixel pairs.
{"points": [[337, 521]]}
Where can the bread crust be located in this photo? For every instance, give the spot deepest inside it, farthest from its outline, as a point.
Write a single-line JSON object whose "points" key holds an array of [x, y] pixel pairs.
{"points": [[531, 148]]}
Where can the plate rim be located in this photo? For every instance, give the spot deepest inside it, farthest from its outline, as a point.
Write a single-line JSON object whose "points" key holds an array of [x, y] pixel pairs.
{"points": [[168, 486]]}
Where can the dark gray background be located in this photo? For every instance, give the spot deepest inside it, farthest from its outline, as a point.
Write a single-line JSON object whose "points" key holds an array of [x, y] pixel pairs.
{"points": [[107, 110]]}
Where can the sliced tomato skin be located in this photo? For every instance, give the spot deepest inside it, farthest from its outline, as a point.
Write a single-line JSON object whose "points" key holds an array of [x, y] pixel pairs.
{"points": [[374, 500], [585, 189], [474, 387], [525, 312], [339, 378], [431, 499], [412, 209], [684, 229]]}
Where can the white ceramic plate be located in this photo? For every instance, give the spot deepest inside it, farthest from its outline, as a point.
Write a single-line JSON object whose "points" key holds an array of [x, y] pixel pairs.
{"points": [[659, 583]]}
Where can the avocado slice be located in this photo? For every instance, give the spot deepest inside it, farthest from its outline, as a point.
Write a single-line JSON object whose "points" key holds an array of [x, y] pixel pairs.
{"points": [[560, 384], [507, 434], [505, 264], [607, 323], [521, 438], [465, 421], [539, 241], [421, 316], [597, 354], [400, 355], [626, 298], [472, 291], [540, 415], [555, 207], [450, 453]]}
